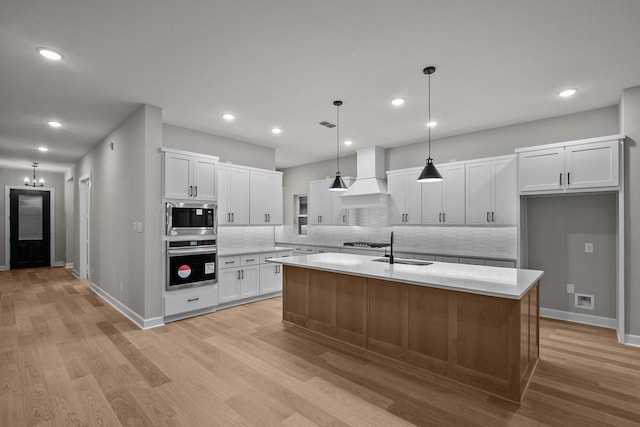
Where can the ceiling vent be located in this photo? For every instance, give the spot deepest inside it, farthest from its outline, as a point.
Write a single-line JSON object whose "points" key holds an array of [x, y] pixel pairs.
{"points": [[327, 125]]}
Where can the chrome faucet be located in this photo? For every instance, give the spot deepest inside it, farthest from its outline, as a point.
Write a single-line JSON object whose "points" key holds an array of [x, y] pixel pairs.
{"points": [[391, 250]]}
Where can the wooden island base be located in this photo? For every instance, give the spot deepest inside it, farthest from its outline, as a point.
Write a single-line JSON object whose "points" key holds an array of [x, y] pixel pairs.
{"points": [[483, 341]]}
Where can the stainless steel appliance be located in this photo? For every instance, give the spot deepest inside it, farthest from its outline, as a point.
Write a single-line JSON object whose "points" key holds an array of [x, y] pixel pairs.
{"points": [[191, 263], [191, 219], [366, 244]]}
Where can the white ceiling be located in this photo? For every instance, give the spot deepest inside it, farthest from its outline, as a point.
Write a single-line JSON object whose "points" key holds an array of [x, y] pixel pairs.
{"points": [[284, 62]]}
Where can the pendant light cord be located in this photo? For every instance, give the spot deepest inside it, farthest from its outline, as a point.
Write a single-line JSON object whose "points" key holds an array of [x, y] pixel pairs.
{"points": [[338, 137], [429, 116]]}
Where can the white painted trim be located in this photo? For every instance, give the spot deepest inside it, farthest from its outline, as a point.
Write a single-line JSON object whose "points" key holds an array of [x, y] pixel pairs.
{"points": [[570, 143], [84, 257], [134, 317], [58, 264], [620, 295], [76, 274], [587, 319], [7, 225], [189, 153], [68, 265], [633, 340], [3, 268]]}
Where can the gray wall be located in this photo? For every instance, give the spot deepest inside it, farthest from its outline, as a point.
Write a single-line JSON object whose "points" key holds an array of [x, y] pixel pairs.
{"points": [[53, 180], [229, 150], [488, 143], [630, 121], [125, 187], [558, 228]]}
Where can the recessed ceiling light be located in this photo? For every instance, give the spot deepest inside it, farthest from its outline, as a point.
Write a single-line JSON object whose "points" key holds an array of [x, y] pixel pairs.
{"points": [[228, 116], [43, 149], [348, 142], [276, 130], [397, 102], [54, 124], [567, 93], [49, 54], [432, 123]]}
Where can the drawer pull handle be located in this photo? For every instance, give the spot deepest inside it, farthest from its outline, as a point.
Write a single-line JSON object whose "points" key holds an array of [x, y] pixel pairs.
{"points": [[193, 299], [251, 260], [229, 262]]}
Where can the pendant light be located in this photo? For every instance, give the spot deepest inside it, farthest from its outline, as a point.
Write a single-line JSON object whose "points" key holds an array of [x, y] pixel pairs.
{"points": [[338, 183], [34, 183], [429, 173]]}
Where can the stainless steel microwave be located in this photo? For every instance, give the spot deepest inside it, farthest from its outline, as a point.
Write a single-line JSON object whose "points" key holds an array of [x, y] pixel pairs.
{"points": [[191, 219]]}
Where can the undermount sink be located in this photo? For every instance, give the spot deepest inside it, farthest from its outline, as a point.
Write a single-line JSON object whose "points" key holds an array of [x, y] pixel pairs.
{"points": [[404, 261]]}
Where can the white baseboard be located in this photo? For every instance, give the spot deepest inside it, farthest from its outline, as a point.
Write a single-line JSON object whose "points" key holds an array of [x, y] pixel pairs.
{"points": [[633, 340], [68, 265], [58, 264], [75, 274], [134, 317], [587, 319], [3, 268]]}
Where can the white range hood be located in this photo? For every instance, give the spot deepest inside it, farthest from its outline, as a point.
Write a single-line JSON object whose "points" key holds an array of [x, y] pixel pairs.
{"points": [[370, 188]]}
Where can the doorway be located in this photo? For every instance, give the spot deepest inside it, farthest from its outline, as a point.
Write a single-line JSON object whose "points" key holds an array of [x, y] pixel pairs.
{"points": [[85, 227], [29, 228]]}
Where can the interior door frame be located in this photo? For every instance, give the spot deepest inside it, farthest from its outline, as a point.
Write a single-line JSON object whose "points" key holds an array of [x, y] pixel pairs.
{"points": [[7, 224], [84, 202]]}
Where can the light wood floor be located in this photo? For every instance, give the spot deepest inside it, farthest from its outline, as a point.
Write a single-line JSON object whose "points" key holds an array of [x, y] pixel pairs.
{"points": [[67, 358]]}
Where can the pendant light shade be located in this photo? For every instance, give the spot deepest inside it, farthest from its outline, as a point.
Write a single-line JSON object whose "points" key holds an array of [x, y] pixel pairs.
{"points": [[429, 173], [338, 184]]}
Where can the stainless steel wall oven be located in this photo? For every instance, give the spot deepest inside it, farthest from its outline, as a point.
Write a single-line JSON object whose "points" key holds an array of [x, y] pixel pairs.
{"points": [[191, 263]]}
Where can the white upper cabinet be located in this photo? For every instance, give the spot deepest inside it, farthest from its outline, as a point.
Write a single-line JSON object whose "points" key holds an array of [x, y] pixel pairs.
{"points": [[443, 203], [406, 197], [491, 193], [233, 195], [189, 177], [265, 197], [325, 207], [578, 165]]}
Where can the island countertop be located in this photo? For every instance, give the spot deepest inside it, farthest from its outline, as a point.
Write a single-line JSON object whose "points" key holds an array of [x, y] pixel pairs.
{"points": [[512, 283]]}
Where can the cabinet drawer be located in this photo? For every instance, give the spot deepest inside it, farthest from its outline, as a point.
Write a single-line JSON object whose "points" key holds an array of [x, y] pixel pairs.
{"points": [[265, 257], [177, 302], [324, 250], [229, 261], [424, 257], [499, 263], [250, 259], [472, 261], [447, 259]]}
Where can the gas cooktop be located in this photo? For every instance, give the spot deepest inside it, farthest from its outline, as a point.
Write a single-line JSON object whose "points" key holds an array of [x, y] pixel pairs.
{"points": [[366, 244]]}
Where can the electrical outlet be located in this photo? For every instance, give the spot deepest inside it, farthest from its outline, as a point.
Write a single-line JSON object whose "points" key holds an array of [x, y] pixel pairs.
{"points": [[588, 248], [140, 227], [134, 227], [121, 287], [571, 288]]}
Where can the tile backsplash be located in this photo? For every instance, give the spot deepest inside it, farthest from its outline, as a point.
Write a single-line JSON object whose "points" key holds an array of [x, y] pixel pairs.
{"points": [[492, 242], [245, 237]]}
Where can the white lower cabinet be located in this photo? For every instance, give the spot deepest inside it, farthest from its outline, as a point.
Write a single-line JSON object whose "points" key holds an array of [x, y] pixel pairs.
{"points": [[248, 276], [188, 300]]}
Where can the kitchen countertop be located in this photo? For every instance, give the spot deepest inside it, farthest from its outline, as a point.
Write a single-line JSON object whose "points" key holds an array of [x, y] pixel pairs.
{"points": [[501, 282], [397, 249], [256, 250]]}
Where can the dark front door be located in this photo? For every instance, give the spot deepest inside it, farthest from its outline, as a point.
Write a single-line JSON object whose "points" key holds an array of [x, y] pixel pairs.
{"points": [[30, 228]]}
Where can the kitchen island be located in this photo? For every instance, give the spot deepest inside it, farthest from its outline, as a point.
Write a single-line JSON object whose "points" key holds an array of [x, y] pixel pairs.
{"points": [[475, 324]]}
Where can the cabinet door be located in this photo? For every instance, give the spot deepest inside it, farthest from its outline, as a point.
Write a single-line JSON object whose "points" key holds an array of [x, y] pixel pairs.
{"points": [[504, 192], [228, 284], [413, 198], [223, 174], [397, 185], [258, 199], [239, 196], [453, 200], [541, 170], [478, 177], [432, 202], [249, 281], [204, 179], [592, 165], [274, 200], [268, 278], [177, 176], [319, 203]]}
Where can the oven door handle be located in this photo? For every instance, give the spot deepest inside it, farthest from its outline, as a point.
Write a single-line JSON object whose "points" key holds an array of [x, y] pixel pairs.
{"points": [[191, 251]]}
